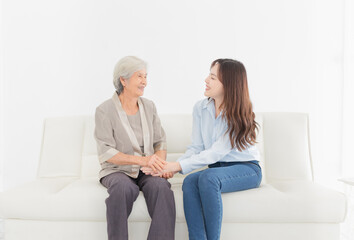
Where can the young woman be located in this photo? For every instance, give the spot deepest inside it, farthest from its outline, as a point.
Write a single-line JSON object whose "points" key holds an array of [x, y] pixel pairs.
{"points": [[223, 137]]}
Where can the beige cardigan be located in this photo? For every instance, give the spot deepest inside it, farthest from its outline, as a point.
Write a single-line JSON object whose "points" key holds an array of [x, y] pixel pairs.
{"points": [[114, 134]]}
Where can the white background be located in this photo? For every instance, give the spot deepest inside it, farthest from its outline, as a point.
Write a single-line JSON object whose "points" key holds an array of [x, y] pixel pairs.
{"points": [[58, 58]]}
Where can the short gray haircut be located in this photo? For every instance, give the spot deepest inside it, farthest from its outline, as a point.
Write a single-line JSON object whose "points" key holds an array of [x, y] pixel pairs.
{"points": [[125, 68]]}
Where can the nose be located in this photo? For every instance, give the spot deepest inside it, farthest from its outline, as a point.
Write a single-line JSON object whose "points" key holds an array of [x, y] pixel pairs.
{"points": [[207, 80], [144, 80]]}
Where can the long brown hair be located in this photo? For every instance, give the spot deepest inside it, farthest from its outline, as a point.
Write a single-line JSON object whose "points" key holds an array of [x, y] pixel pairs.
{"points": [[237, 106]]}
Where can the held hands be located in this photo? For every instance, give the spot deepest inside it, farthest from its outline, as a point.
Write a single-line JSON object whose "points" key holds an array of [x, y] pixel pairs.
{"points": [[169, 169], [153, 162], [149, 171]]}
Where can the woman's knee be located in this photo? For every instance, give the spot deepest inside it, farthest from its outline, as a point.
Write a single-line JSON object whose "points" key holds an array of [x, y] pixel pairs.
{"points": [[190, 182], [157, 184], [123, 188], [208, 180]]}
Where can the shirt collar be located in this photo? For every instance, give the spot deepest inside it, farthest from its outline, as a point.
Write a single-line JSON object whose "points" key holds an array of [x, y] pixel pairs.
{"points": [[210, 106], [208, 103]]}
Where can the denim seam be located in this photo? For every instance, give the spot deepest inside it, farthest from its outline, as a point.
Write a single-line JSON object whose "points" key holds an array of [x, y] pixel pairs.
{"points": [[247, 175], [239, 176], [220, 213]]}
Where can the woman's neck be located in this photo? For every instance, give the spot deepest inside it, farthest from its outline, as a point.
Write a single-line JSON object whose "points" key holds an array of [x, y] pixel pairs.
{"points": [[129, 103], [217, 103]]}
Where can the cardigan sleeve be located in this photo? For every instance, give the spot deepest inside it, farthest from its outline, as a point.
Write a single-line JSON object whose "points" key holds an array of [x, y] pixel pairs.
{"points": [[106, 145]]}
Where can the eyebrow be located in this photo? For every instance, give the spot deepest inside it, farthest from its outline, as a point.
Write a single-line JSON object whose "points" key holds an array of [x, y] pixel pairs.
{"points": [[213, 74]]}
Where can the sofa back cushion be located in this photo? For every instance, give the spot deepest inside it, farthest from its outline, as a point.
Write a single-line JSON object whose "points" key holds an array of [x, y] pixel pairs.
{"points": [[286, 146], [61, 147], [69, 147], [178, 129]]}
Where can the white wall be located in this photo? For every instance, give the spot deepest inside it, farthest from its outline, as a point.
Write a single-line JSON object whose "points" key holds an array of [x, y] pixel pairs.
{"points": [[1, 119], [58, 58], [348, 87], [328, 66], [1, 110]]}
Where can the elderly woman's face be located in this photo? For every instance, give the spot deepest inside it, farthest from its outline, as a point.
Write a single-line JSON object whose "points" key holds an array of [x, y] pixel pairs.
{"points": [[136, 84]]}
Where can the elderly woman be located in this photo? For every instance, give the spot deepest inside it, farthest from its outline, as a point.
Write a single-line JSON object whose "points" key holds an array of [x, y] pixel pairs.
{"points": [[129, 136]]}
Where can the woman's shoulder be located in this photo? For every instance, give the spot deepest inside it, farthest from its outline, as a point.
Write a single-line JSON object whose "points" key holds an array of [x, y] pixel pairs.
{"points": [[199, 105]]}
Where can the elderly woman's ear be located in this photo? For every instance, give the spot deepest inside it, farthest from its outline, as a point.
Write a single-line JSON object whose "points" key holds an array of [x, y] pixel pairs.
{"points": [[122, 80]]}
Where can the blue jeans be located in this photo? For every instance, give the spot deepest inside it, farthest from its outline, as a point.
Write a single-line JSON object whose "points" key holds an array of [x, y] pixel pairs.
{"points": [[202, 195]]}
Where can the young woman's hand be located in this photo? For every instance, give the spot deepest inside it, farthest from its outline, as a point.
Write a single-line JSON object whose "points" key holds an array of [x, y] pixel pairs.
{"points": [[172, 167], [154, 162], [168, 175], [149, 171]]}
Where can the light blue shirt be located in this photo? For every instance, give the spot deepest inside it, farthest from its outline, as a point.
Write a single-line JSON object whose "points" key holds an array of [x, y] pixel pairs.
{"points": [[210, 144]]}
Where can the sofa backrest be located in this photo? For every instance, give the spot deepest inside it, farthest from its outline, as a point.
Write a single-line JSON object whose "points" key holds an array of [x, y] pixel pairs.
{"points": [[69, 148]]}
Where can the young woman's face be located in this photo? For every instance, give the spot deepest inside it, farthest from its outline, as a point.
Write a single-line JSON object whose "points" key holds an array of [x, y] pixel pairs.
{"points": [[136, 84], [214, 87]]}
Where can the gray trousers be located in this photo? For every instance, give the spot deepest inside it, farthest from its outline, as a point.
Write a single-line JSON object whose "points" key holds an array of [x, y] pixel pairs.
{"points": [[124, 190]]}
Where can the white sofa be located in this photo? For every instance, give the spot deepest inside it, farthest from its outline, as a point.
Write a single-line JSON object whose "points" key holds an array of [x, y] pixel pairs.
{"points": [[66, 201]]}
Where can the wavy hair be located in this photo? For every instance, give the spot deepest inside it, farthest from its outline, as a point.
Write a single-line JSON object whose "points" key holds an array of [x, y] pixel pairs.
{"points": [[237, 106]]}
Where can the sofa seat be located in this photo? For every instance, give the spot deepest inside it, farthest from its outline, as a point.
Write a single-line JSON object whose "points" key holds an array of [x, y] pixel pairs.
{"points": [[73, 199]]}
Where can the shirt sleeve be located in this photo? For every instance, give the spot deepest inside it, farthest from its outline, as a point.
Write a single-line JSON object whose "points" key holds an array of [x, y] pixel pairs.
{"points": [[106, 145], [220, 148], [159, 133]]}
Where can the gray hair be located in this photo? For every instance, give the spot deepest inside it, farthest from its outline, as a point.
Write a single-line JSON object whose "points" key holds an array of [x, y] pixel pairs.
{"points": [[125, 68]]}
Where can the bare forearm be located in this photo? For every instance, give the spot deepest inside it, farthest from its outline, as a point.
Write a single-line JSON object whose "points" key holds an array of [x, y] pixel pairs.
{"points": [[125, 159], [161, 154], [173, 167]]}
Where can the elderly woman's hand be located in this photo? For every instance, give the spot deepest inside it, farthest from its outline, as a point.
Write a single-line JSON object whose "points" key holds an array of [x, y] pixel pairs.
{"points": [[154, 162], [169, 167], [149, 171]]}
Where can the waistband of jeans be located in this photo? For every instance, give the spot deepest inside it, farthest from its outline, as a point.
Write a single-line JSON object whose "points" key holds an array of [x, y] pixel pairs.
{"points": [[226, 164]]}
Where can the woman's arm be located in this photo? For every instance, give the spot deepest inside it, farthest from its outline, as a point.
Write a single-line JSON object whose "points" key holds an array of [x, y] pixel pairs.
{"points": [[220, 148], [162, 154], [215, 153], [154, 162]]}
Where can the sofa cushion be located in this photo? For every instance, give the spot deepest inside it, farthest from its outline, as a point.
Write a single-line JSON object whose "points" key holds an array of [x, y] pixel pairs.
{"points": [[84, 200], [61, 147]]}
